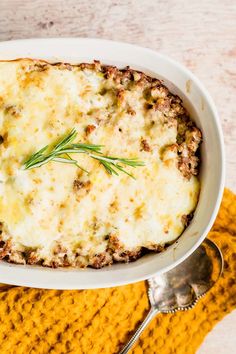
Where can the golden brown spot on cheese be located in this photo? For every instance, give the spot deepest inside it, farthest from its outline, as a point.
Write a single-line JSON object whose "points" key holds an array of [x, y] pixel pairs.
{"points": [[13, 110], [145, 146], [131, 111], [5, 139], [81, 185], [113, 208], [37, 180], [138, 212], [81, 188], [89, 129], [120, 95]]}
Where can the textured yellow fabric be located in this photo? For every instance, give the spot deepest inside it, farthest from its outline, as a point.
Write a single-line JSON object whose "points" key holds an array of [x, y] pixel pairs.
{"points": [[100, 321]]}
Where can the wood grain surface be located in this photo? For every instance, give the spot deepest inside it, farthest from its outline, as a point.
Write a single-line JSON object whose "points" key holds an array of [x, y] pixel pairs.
{"points": [[200, 34]]}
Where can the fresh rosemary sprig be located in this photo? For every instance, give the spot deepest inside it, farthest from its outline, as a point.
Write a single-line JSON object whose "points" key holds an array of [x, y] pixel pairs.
{"points": [[62, 150]]}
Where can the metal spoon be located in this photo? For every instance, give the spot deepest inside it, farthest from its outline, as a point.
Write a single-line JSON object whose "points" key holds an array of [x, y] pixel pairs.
{"points": [[181, 287]]}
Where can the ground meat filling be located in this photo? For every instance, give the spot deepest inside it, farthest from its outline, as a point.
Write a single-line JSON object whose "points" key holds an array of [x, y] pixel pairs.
{"points": [[188, 161]]}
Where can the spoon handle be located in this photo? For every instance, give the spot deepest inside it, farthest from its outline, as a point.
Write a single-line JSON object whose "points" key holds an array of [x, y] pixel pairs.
{"points": [[138, 332]]}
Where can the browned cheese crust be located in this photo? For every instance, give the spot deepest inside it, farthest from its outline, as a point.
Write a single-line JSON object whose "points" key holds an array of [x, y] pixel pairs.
{"points": [[188, 141]]}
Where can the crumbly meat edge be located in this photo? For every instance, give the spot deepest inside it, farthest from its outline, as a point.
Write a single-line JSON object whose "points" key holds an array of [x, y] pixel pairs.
{"points": [[188, 140]]}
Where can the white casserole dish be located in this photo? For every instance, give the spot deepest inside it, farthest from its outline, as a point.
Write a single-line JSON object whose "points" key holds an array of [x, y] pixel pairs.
{"points": [[202, 109]]}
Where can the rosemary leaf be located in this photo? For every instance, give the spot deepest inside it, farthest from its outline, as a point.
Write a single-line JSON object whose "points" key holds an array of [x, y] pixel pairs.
{"points": [[62, 150]]}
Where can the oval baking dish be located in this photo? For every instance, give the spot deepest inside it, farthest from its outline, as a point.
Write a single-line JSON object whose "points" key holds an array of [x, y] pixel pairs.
{"points": [[201, 108]]}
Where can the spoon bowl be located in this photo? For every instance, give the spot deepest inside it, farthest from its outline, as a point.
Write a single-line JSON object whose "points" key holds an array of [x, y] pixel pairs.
{"points": [[181, 287]]}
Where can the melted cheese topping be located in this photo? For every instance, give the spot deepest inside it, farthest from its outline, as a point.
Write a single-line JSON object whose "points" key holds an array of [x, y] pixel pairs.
{"points": [[40, 208]]}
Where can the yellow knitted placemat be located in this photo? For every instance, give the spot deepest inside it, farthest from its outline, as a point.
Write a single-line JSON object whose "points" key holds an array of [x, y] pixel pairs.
{"points": [[101, 321]]}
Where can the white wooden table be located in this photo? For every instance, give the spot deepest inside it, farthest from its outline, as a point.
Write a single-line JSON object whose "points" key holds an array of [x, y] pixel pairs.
{"points": [[199, 33]]}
